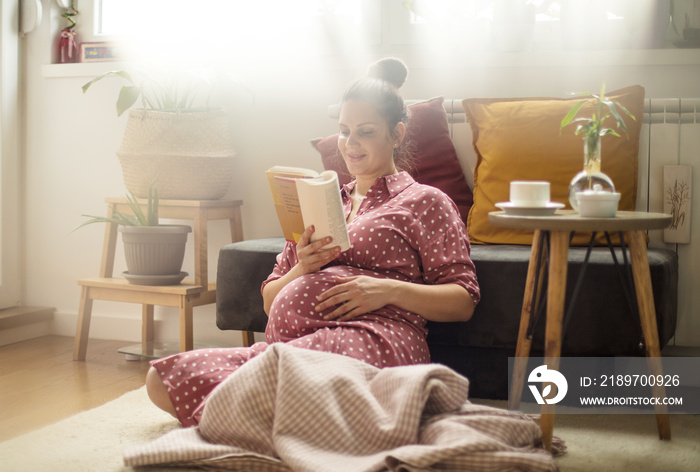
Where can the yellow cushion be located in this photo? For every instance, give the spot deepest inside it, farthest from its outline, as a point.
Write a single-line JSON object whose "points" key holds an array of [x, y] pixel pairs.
{"points": [[519, 139]]}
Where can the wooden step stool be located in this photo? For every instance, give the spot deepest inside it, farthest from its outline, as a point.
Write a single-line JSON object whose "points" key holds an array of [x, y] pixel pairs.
{"points": [[185, 295]]}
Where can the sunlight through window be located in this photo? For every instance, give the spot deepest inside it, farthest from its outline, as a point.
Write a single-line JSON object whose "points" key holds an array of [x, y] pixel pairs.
{"points": [[232, 28]]}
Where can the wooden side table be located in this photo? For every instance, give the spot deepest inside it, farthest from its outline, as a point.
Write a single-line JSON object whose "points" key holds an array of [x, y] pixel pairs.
{"points": [[185, 295], [558, 228]]}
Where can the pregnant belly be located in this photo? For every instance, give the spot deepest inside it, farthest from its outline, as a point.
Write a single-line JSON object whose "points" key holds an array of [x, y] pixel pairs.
{"points": [[293, 312], [398, 335]]}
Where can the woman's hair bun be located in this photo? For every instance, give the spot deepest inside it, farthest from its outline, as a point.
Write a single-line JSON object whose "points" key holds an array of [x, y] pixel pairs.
{"points": [[389, 69]]}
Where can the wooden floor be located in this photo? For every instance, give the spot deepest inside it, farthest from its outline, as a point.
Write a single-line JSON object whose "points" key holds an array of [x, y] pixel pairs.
{"points": [[41, 384]]}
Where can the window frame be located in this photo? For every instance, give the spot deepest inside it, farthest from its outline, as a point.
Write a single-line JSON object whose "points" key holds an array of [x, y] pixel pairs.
{"points": [[10, 133]]}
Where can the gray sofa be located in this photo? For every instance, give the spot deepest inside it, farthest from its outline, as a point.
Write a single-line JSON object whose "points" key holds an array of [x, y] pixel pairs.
{"points": [[602, 321]]}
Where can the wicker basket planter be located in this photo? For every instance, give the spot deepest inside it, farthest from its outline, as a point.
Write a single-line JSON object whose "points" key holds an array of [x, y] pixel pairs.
{"points": [[154, 254], [189, 152]]}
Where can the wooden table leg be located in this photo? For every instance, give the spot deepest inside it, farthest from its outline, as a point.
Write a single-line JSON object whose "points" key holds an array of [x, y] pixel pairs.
{"points": [[83, 329], [647, 315], [186, 334], [236, 226], [556, 295], [248, 338], [147, 329], [522, 350], [109, 246], [201, 276]]}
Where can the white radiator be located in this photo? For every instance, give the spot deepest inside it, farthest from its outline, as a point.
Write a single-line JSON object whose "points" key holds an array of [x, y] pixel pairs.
{"points": [[671, 137]]}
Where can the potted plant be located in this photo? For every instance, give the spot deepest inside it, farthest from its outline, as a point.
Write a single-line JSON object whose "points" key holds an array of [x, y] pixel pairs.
{"points": [[154, 253], [68, 42], [175, 135], [593, 128]]}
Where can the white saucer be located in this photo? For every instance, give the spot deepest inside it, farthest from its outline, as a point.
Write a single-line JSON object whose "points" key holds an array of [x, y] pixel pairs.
{"points": [[512, 209]]}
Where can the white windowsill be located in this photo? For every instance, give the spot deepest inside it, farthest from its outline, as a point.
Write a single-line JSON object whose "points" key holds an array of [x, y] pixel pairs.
{"points": [[86, 69], [627, 57], [558, 58], [469, 59]]}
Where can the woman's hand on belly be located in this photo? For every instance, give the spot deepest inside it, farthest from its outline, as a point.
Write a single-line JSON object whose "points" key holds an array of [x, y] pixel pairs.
{"points": [[354, 296], [311, 256]]}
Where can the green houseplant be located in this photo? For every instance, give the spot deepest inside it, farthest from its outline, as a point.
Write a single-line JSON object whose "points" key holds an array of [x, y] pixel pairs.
{"points": [[137, 217], [154, 253], [174, 135], [184, 91], [592, 128]]}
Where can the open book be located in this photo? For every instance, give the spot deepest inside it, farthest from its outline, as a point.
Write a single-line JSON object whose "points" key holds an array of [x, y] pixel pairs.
{"points": [[303, 198]]}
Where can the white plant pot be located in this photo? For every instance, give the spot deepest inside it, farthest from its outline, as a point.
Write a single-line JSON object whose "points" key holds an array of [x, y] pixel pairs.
{"points": [[189, 153]]}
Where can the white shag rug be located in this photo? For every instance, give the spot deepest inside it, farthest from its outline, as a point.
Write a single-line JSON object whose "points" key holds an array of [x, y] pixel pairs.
{"points": [[94, 440]]}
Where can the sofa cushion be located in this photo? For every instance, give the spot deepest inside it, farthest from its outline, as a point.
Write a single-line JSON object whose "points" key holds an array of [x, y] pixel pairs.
{"points": [[520, 139], [434, 157]]}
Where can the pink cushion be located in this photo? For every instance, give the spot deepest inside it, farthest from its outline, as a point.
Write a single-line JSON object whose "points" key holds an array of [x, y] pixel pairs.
{"points": [[434, 157]]}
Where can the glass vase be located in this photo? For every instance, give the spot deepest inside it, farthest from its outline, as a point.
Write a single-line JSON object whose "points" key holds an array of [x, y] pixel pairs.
{"points": [[591, 174], [591, 155], [68, 47]]}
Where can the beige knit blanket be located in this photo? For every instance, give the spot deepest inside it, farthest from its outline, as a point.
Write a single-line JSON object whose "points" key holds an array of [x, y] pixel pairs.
{"points": [[292, 409]]}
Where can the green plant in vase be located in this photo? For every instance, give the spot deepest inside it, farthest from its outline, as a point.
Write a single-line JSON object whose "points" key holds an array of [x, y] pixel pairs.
{"points": [[68, 41], [592, 129]]}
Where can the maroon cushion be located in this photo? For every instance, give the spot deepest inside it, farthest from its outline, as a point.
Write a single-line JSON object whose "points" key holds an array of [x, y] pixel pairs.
{"points": [[434, 157]]}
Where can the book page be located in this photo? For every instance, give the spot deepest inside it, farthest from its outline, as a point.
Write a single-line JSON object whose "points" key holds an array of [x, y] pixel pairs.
{"points": [[286, 200], [295, 172], [322, 207], [282, 182]]}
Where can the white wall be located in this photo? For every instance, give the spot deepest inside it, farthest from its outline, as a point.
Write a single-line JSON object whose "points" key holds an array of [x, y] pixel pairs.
{"points": [[71, 138]]}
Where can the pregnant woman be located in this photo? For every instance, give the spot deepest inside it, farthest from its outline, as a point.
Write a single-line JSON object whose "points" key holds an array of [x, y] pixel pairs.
{"points": [[409, 263]]}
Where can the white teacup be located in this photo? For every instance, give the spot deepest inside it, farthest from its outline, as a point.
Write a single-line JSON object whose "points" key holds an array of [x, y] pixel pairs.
{"points": [[529, 193]]}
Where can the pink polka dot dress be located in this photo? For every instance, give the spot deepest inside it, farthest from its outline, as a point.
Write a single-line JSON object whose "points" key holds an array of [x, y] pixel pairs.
{"points": [[403, 230]]}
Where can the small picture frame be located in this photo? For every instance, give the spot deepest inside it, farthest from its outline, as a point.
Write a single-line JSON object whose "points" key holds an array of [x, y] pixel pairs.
{"points": [[98, 52], [678, 180]]}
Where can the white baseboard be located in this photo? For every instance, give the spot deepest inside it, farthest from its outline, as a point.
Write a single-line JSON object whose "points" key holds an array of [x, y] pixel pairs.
{"points": [[167, 328], [101, 327]]}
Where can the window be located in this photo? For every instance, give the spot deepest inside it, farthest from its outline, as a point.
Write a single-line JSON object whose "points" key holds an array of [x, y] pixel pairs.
{"points": [[232, 29], [9, 158], [236, 28], [532, 24]]}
